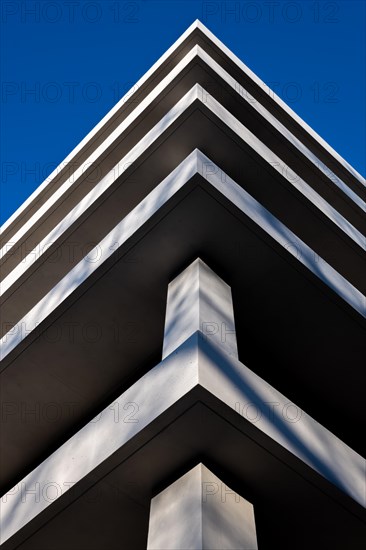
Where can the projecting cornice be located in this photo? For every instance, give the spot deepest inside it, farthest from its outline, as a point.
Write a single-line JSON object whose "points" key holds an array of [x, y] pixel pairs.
{"points": [[198, 371], [199, 165], [197, 207], [269, 203], [196, 163], [250, 86], [279, 188]]}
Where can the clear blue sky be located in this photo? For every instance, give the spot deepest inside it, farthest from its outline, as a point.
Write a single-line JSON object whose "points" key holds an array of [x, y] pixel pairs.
{"points": [[79, 57]]}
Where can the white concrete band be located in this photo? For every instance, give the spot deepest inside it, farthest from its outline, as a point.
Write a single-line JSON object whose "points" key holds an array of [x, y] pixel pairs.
{"points": [[202, 362], [154, 69], [152, 135], [195, 163]]}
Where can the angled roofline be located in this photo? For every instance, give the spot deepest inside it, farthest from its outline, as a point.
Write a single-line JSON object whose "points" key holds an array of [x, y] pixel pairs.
{"points": [[100, 124], [193, 164], [281, 103], [155, 67], [255, 143], [202, 365]]}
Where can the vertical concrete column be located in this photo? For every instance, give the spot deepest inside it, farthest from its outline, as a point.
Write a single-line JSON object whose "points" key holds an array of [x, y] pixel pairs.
{"points": [[199, 300], [200, 512]]}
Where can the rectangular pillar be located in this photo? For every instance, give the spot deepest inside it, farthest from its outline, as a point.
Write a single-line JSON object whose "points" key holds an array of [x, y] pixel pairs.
{"points": [[199, 300], [200, 512]]}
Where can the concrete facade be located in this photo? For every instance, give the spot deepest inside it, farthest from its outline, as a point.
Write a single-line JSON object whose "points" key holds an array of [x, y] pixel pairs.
{"points": [[208, 327], [197, 512]]}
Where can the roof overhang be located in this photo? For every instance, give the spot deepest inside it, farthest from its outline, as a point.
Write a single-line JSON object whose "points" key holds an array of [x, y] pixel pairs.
{"points": [[206, 407], [92, 342]]}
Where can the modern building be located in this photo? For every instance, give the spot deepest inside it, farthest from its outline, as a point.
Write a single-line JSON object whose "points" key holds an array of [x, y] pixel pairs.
{"points": [[183, 327]]}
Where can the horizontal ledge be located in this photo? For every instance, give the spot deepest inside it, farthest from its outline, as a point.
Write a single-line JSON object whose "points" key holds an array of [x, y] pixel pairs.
{"points": [[197, 93], [195, 52], [197, 363], [195, 163], [196, 25]]}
